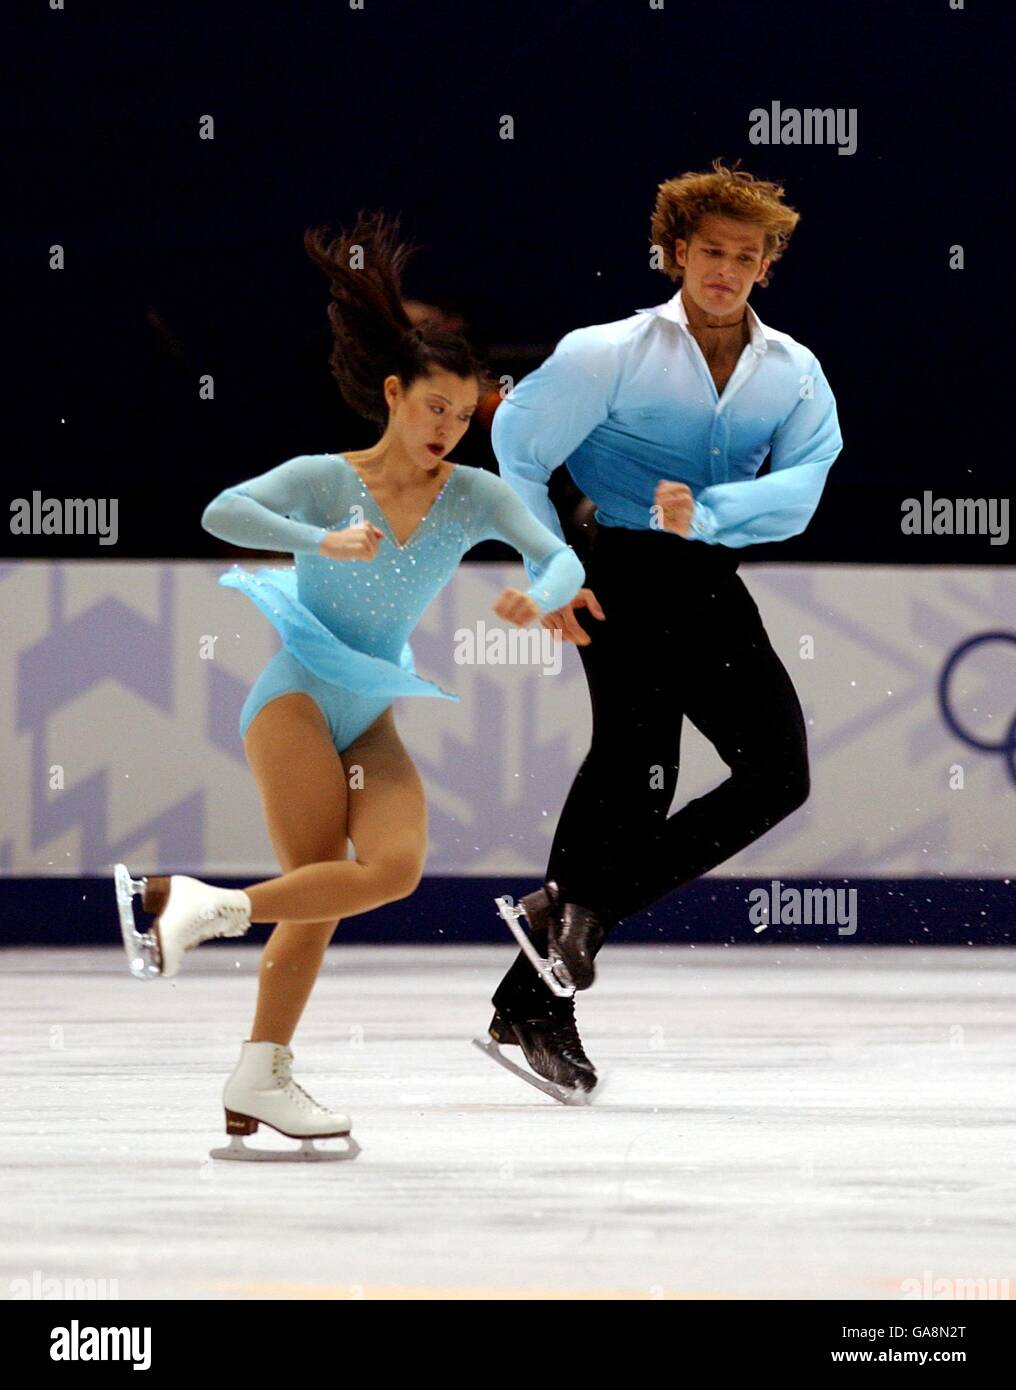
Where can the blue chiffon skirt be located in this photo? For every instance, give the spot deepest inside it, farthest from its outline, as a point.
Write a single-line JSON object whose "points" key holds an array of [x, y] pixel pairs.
{"points": [[351, 687]]}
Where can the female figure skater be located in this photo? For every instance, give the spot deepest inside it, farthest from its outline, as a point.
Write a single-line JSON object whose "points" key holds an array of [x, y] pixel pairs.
{"points": [[375, 535]]}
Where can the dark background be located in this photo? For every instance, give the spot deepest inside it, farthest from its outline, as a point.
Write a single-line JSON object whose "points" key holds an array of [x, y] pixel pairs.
{"points": [[185, 256]]}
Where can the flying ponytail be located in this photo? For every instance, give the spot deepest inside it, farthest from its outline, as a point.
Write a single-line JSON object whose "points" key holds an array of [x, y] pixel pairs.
{"points": [[372, 335]]}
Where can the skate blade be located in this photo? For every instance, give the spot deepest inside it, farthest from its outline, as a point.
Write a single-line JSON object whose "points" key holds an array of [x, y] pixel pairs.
{"points": [[142, 948], [565, 1095], [306, 1153], [552, 972]]}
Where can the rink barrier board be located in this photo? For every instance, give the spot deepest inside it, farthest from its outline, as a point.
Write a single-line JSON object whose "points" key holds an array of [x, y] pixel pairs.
{"points": [[121, 685], [64, 911]]}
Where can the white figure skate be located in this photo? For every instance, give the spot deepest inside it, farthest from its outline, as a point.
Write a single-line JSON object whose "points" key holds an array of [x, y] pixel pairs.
{"points": [[190, 912], [262, 1091], [551, 971]]}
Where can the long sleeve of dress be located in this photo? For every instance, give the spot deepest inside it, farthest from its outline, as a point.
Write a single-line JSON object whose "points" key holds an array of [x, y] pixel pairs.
{"points": [[554, 568], [781, 503], [548, 415], [264, 512]]}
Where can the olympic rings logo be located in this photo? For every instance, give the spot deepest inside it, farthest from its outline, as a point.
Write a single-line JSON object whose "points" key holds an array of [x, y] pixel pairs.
{"points": [[1005, 746]]}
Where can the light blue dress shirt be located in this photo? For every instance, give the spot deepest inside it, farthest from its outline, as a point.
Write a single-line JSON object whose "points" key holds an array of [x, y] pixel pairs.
{"points": [[626, 404]]}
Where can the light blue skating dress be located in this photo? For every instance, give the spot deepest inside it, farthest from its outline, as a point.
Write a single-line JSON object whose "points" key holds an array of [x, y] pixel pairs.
{"points": [[345, 624]]}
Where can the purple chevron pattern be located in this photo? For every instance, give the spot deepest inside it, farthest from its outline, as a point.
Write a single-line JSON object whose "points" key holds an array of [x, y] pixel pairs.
{"points": [[120, 738]]}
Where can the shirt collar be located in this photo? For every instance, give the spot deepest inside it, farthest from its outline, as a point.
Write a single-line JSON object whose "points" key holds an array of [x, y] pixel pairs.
{"points": [[761, 334]]}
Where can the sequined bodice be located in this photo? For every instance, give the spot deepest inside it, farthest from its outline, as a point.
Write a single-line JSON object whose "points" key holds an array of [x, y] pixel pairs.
{"points": [[375, 604]]}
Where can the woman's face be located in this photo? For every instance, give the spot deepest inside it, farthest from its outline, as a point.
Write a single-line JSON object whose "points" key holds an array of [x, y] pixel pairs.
{"points": [[432, 415]]}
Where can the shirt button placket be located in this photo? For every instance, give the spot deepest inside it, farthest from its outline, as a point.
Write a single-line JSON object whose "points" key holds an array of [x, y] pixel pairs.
{"points": [[714, 468]]}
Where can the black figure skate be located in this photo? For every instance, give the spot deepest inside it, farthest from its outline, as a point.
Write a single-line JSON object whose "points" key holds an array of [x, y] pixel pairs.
{"points": [[552, 1047], [574, 936], [543, 1028]]}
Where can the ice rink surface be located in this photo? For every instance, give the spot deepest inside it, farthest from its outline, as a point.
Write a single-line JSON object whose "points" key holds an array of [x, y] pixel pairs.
{"points": [[772, 1122]]}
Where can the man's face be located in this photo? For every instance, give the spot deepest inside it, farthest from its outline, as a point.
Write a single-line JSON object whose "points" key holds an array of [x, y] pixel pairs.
{"points": [[721, 261]]}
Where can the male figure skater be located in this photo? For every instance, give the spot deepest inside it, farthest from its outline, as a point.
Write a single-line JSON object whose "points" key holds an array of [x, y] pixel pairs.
{"points": [[664, 420]]}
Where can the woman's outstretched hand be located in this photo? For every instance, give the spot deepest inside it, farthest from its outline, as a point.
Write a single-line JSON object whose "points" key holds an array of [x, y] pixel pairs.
{"points": [[518, 608], [354, 543], [564, 621]]}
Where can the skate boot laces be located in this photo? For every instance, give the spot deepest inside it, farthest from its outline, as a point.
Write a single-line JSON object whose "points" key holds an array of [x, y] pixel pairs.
{"points": [[216, 919], [281, 1070], [568, 1027]]}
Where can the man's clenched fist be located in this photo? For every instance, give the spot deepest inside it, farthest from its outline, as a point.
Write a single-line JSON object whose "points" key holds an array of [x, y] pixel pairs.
{"points": [[676, 504]]}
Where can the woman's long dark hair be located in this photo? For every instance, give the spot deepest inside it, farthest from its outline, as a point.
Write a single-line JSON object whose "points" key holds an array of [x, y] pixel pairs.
{"points": [[372, 335]]}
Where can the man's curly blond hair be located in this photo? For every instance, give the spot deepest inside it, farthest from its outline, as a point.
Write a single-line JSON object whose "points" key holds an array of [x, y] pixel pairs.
{"points": [[682, 203]]}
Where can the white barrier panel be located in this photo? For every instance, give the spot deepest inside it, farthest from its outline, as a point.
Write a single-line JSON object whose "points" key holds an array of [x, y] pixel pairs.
{"points": [[119, 737]]}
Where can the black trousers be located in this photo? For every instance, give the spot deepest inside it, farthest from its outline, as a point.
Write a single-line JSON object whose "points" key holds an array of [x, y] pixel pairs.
{"points": [[681, 637]]}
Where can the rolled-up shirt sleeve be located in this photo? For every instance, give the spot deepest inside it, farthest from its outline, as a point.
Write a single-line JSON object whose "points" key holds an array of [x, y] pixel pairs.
{"points": [[781, 503], [548, 415]]}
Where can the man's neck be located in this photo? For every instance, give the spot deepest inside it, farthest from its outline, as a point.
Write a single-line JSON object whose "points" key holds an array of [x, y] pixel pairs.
{"points": [[701, 318], [716, 334]]}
